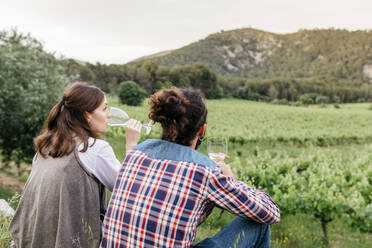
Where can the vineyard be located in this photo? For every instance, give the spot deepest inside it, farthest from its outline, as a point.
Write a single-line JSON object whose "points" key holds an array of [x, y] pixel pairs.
{"points": [[315, 162], [253, 122]]}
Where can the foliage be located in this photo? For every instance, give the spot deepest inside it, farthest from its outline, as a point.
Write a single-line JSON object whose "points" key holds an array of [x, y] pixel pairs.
{"points": [[305, 99], [5, 193], [322, 183], [5, 238], [149, 76], [306, 91], [131, 93], [152, 77], [31, 81]]}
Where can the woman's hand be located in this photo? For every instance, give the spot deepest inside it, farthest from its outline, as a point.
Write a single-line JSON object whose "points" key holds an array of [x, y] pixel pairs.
{"points": [[132, 134]]}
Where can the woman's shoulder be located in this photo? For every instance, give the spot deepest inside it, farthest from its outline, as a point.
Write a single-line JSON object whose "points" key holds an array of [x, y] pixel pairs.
{"points": [[95, 145]]}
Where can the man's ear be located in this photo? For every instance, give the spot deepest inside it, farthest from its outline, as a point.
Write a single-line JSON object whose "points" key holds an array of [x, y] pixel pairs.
{"points": [[202, 129]]}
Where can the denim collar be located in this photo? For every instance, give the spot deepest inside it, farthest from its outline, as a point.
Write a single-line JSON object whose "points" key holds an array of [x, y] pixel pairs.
{"points": [[162, 149]]}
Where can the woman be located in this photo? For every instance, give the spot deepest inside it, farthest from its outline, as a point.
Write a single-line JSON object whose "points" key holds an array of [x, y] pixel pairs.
{"points": [[63, 202], [165, 188]]}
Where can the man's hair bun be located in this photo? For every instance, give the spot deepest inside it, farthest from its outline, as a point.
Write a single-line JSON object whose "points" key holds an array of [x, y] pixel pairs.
{"points": [[167, 105], [181, 112], [175, 107]]}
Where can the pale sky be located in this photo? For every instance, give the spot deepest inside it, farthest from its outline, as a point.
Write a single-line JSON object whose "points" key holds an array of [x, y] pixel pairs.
{"points": [[118, 31]]}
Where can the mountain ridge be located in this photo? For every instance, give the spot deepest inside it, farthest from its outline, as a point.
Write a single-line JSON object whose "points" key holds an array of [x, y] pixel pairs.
{"points": [[254, 53]]}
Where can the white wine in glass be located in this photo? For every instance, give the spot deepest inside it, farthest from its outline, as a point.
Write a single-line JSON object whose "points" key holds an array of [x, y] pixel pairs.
{"points": [[119, 118], [217, 148], [217, 151]]}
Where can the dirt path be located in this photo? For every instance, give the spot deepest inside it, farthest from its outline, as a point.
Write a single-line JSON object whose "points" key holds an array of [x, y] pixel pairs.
{"points": [[7, 181]]}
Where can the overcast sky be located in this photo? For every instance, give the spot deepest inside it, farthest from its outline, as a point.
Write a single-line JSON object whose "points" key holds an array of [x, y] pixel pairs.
{"points": [[117, 31]]}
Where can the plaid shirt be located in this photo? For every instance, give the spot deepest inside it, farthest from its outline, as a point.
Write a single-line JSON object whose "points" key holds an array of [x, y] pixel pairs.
{"points": [[159, 202]]}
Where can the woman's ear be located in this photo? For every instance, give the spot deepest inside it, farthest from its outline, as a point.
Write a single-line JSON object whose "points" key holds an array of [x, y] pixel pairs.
{"points": [[87, 117]]}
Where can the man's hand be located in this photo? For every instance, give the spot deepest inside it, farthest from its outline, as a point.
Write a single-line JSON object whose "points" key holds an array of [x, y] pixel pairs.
{"points": [[226, 170]]}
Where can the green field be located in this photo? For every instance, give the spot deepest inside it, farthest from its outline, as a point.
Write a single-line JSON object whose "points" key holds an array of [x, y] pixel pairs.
{"points": [[259, 121], [315, 162], [269, 144], [254, 122]]}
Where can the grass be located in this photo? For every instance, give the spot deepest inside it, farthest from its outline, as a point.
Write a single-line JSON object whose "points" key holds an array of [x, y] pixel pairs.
{"points": [[12, 198], [294, 231], [6, 194], [5, 238], [305, 231]]}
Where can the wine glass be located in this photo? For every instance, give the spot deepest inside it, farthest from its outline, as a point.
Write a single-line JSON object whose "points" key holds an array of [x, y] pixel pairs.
{"points": [[119, 118], [217, 151], [217, 148]]}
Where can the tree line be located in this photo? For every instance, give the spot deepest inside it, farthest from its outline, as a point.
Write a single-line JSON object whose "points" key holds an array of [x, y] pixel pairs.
{"points": [[151, 77]]}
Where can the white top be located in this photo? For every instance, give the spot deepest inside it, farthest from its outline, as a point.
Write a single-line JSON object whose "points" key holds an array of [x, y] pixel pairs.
{"points": [[101, 161]]}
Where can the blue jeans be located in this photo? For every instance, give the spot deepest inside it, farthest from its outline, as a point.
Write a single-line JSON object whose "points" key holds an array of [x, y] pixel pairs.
{"points": [[240, 233]]}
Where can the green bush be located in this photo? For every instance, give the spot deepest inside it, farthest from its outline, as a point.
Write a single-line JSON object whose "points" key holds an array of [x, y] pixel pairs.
{"points": [[322, 99], [31, 82], [305, 99], [160, 85], [131, 93], [283, 101], [297, 104], [275, 101]]}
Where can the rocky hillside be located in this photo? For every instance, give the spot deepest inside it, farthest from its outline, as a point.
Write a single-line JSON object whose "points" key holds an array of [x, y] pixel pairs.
{"points": [[258, 54]]}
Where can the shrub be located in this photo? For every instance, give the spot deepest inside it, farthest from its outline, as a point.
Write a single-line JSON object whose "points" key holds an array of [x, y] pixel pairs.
{"points": [[297, 104], [305, 99], [336, 99], [275, 101], [160, 85], [283, 101], [322, 99], [31, 82], [131, 93]]}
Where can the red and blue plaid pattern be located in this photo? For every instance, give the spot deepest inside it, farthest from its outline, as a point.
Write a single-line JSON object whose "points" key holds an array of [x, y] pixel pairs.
{"points": [[159, 203]]}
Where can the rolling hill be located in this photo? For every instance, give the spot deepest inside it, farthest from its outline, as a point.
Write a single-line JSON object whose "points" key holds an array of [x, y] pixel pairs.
{"points": [[252, 53]]}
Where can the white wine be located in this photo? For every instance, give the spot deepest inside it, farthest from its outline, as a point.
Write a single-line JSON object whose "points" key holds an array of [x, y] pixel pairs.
{"points": [[217, 157]]}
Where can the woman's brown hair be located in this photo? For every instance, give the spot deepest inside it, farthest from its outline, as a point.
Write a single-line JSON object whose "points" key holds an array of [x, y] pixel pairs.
{"points": [[181, 113], [67, 121]]}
